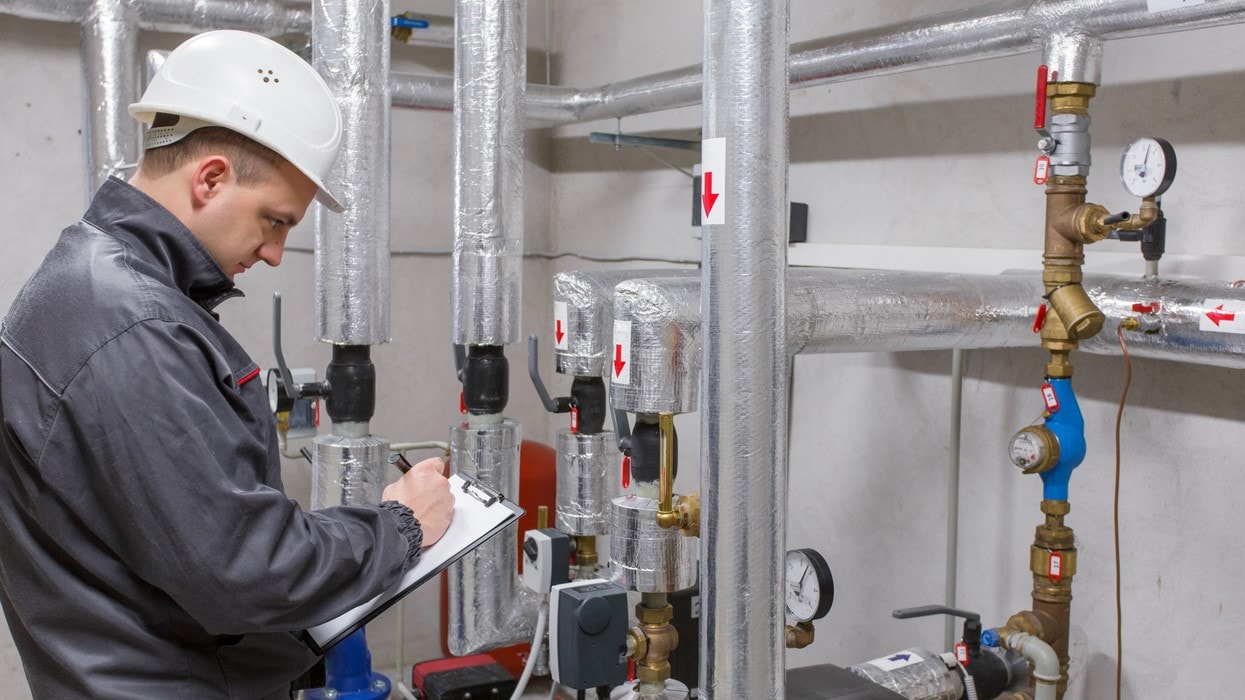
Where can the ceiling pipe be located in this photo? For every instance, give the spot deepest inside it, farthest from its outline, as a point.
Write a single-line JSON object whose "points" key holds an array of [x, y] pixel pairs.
{"points": [[1069, 33], [744, 427], [110, 71]]}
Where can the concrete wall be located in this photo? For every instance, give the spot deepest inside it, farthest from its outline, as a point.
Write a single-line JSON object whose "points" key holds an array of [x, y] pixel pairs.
{"points": [[936, 158]]}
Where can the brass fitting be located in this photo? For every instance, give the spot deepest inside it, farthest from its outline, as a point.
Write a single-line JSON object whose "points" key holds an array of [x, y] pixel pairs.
{"points": [[688, 509], [586, 550], [1070, 98], [799, 635], [666, 517], [1130, 324], [653, 641], [1052, 595]]}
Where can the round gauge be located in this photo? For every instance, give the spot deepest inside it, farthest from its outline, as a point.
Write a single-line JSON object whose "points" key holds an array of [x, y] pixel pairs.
{"points": [[1034, 449], [1148, 167], [809, 587], [278, 400]]}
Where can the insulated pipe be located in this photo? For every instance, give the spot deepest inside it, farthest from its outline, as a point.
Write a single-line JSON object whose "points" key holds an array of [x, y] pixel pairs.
{"points": [[350, 49], [839, 310], [743, 430], [588, 300], [1069, 33], [490, 65], [267, 17], [110, 67]]}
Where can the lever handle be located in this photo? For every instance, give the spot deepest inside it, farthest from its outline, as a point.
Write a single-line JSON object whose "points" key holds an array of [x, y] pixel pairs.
{"points": [[928, 610], [559, 405], [623, 430], [287, 377]]}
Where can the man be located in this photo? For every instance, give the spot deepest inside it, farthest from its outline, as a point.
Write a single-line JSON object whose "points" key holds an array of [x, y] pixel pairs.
{"points": [[146, 547]]}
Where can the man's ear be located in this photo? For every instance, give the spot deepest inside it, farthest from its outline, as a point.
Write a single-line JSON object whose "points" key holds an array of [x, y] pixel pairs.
{"points": [[210, 174]]}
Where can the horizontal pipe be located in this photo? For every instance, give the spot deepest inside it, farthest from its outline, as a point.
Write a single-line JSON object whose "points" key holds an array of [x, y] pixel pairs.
{"points": [[1068, 33], [837, 310], [267, 17]]}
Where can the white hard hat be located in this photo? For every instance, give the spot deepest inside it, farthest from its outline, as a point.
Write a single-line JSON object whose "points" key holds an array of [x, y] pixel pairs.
{"points": [[254, 86]]}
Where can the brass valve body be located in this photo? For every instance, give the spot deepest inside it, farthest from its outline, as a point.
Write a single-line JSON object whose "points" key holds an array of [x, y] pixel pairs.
{"points": [[654, 638], [1052, 598], [586, 550]]}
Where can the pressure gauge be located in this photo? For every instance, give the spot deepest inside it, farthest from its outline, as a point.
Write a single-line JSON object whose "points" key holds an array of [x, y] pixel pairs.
{"points": [[278, 401], [1148, 167], [1034, 449], [809, 585]]}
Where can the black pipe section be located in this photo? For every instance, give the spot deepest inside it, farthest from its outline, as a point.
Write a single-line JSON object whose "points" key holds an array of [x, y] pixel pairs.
{"points": [[646, 449], [351, 378], [486, 380], [588, 398]]}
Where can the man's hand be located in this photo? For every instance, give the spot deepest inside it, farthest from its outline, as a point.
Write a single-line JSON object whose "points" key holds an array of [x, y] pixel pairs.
{"points": [[425, 490]]}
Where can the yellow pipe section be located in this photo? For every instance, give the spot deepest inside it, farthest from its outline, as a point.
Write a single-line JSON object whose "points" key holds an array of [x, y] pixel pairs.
{"points": [[667, 517]]}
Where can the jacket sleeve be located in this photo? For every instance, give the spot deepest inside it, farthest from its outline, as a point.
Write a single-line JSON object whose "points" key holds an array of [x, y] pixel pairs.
{"points": [[161, 452]]}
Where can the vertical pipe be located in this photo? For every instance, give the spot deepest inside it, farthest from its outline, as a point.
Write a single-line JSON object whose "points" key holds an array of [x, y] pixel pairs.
{"points": [[350, 49], [744, 419], [953, 492], [490, 72], [110, 68]]}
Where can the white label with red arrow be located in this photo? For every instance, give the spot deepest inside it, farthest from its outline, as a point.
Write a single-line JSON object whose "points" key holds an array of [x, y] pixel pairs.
{"points": [[621, 366], [1222, 316], [712, 182], [559, 325]]}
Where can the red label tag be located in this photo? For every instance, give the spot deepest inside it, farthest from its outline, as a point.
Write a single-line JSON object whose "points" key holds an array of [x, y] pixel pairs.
{"points": [[1041, 170], [1048, 395], [1040, 320], [462, 404], [961, 653], [1054, 567], [574, 419]]}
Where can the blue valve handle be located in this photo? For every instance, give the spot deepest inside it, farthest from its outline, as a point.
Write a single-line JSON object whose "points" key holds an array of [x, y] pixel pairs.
{"points": [[1068, 426], [408, 23]]}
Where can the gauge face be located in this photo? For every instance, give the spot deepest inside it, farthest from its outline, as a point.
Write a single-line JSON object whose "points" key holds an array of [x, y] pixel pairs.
{"points": [[1031, 450], [1148, 167], [275, 394], [809, 587]]}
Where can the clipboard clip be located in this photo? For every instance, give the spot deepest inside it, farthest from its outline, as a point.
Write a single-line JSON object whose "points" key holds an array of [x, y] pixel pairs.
{"points": [[484, 494]]}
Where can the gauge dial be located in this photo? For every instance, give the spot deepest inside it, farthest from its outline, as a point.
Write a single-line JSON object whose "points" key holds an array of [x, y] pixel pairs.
{"points": [[1034, 449], [277, 399], [809, 587], [1148, 167]]}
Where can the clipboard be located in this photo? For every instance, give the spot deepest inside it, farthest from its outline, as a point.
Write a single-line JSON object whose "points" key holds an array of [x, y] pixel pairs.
{"points": [[480, 513]]}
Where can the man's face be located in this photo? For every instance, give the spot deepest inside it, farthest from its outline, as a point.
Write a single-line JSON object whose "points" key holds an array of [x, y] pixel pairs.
{"points": [[246, 224]]}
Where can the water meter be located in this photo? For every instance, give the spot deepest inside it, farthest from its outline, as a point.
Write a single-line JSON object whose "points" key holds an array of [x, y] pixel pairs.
{"points": [[1034, 449]]}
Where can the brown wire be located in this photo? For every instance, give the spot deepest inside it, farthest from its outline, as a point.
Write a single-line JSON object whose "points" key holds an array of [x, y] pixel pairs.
{"points": [[1119, 614]]}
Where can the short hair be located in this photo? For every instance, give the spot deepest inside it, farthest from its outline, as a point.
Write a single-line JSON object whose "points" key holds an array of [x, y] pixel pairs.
{"points": [[252, 161]]}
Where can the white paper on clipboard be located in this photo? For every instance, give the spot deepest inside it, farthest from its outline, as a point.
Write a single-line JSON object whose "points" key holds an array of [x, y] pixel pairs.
{"points": [[479, 513]]}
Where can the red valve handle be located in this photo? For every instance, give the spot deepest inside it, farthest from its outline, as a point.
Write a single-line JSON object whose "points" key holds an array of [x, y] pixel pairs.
{"points": [[626, 471], [1039, 105], [1040, 320]]}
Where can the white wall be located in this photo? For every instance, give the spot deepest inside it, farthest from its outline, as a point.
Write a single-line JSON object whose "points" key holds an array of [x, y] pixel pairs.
{"points": [[944, 158], [935, 158]]}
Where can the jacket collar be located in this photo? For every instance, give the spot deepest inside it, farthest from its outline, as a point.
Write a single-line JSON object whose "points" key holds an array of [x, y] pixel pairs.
{"points": [[152, 232]]}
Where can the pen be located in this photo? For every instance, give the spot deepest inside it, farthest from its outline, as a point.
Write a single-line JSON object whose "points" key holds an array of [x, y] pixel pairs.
{"points": [[397, 460]]}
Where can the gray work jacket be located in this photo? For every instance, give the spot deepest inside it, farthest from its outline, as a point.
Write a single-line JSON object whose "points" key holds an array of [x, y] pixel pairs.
{"points": [[146, 547]]}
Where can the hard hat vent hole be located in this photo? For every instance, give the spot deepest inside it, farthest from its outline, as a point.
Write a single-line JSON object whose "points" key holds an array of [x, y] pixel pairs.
{"points": [[267, 79]]}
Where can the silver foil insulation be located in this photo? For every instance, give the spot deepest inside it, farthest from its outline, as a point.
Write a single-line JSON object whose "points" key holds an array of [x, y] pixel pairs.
{"points": [[488, 606], [348, 471], [350, 49], [110, 71], [490, 71], [589, 300], [743, 438], [645, 557], [267, 17], [589, 474], [665, 345]]}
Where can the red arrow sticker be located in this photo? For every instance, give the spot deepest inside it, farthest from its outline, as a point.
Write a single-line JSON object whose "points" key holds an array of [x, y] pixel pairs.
{"points": [[622, 352], [1220, 316], [559, 325], [713, 182]]}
